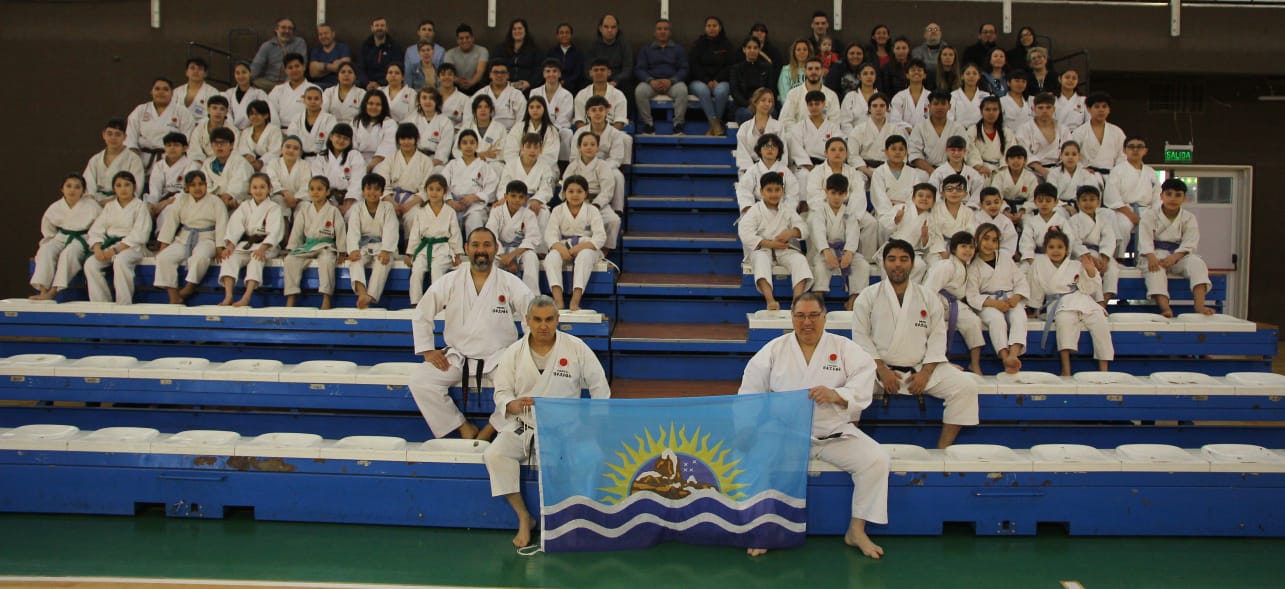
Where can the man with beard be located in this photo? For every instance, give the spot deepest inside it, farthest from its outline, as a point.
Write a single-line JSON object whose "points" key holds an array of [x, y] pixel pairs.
{"points": [[481, 306], [795, 109], [979, 53], [902, 325]]}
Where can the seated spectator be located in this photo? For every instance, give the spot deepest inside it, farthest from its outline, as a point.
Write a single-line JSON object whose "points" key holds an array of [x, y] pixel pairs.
{"points": [[268, 68], [819, 28], [613, 48], [286, 99], [118, 240], [879, 51], [241, 95], [378, 51], [796, 108], [855, 105], [947, 71], [892, 78], [522, 56], [766, 49], [569, 57], [845, 76], [758, 124], [344, 100], [194, 94], [995, 73], [930, 50], [63, 248], [979, 53], [425, 33], [424, 74], [747, 77], [401, 98], [324, 59], [468, 59], [710, 65], [150, 122], [1025, 41], [1040, 78], [661, 69], [792, 73]]}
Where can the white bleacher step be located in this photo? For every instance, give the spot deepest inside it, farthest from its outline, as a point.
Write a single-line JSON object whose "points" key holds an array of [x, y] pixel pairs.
{"points": [[1190, 383], [1113, 383], [365, 448], [281, 445], [1160, 458], [245, 369], [910, 458], [780, 319], [985, 458], [31, 364], [320, 371], [198, 441], [1073, 458], [114, 439], [1235, 457], [1215, 322], [1257, 383], [386, 373], [449, 450], [1142, 322], [172, 369], [1028, 382], [97, 367], [38, 436]]}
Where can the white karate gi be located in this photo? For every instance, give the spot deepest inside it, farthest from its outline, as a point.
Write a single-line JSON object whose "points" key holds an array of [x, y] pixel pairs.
{"points": [[198, 140], [907, 111], [64, 242], [251, 225], [286, 103], [747, 136], [1128, 186], [510, 106], [567, 368], [974, 182], [946, 225], [198, 106], [475, 177], [492, 138], [370, 235], [924, 142], [98, 175], [520, 230], [1070, 112], [747, 188], [1016, 116], [346, 109], [602, 180], [1162, 236], [615, 148], [548, 153], [1102, 155], [236, 108], [344, 172], [430, 256], [404, 178], [313, 137], [1007, 231], [987, 150], [1035, 227], [479, 326], [855, 108], [1096, 236], [234, 179], [856, 203], [868, 140], [1039, 150], [1068, 183], [839, 232], [888, 188], [795, 108], [562, 111], [617, 106], [907, 334], [807, 143], [1075, 309], [950, 277], [436, 137], [910, 229], [839, 364], [314, 236], [167, 180], [401, 105], [570, 230], [266, 148], [146, 128], [194, 229], [1019, 193], [285, 177], [763, 223], [131, 225], [375, 139], [965, 111], [456, 106], [1000, 283]]}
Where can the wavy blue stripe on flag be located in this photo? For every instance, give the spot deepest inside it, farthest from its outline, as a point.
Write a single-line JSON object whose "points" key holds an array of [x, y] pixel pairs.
{"points": [[629, 473]]}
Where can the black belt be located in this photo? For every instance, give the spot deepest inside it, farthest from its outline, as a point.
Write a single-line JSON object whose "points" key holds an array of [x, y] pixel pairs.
{"points": [[831, 436], [464, 381], [522, 428], [1103, 171], [253, 239], [310, 154], [427, 152], [872, 164], [816, 161], [910, 369], [887, 398]]}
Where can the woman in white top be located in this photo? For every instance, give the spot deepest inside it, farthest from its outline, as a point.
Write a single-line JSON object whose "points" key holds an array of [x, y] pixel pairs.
{"points": [[261, 141], [436, 132], [344, 100], [989, 140], [241, 95], [490, 134], [867, 140], [118, 239], [62, 239], [401, 98], [536, 121], [150, 122], [855, 107], [374, 131]]}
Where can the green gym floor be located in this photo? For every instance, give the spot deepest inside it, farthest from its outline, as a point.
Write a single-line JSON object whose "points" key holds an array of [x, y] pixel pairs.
{"points": [[239, 548]]}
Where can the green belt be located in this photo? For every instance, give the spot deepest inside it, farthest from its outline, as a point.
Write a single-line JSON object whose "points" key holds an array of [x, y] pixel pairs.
{"points": [[312, 242], [109, 241], [427, 242], [75, 236]]}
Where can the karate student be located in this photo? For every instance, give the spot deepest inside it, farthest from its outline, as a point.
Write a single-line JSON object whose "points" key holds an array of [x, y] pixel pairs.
{"points": [[991, 140], [455, 103], [856, 102], [472, 182], [956, 150], [1132, 189], [261, 141], [836, 233], [433, 243], [1071, 111], [1070, 175], [560, 105], [894, 181], [374, 131], [927, 140], [536, 122], [617, 107], [150, 122], [614, 146], [836, 162], [993, 212], [401, 97], [748, 189], [903, 326], [1167, 239], [168, 176], [1094, 228], [289, 175], [317, 231], [770, 232], [950, 280], [997, 290], [118, 239], [490, 135], [286, 98], [808, 138], [911, 222], [575, 234], [538, 177], [966, 101], [545, 363], [482, 304], [868, 140], [192, 235], [795, 109], [1042, 136], [198, 140], [345, 100], [909, 107], [405, 172], [1047, 215], [519, 234], [196, 93], [602, 184], [1065, 291], [436, 132], [63, 247], [371, 241], [313, 125], [1016, 184], [762, 123], [241, 94], [342, 165], [507, 101], [113, 159], [254, 234], [1018, 110], [1102, 141], [951, 214], [226, 176], [840, 381]]}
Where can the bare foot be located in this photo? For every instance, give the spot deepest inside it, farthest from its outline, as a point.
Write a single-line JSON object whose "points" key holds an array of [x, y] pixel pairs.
{"points": [[290, 300], [244, 302], [1203, 310], [756, 551], [1167, 313], [45, 295], [1012, 365], [847, 305], [1066, 373], [175, 299], [575, 307], [486, 433], [468, 431], [773, 306], [364, 301], [975, 369], [187, 291], [523, 538], [863, 543]]}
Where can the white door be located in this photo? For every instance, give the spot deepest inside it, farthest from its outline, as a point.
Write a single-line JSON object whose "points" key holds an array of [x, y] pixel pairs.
{"points": [[1221, 199]]}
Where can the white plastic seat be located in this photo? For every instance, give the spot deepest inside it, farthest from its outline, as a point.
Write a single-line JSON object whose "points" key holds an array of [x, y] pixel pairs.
{"points": [[115, 439], [1216, 322], [451, 450], [1142, 322], [1072, 458], [281, 445], [214, 311], [320, 371], [38, 437], [139, 309], [1257, 383], [179, 368], [984, 458], [1034, 383], [366, 448], [765, 319], [352, 313], [1242, 458], [400, 314], [911, 458], [386, 373], [251, 369], [199, 441], [98, 367], [31, 364], [581, 316], [1190, 383], [1160, 458], [1111, 383]]}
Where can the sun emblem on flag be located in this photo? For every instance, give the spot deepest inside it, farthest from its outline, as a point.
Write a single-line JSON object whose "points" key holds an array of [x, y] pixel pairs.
{"points": [[673, 466]]}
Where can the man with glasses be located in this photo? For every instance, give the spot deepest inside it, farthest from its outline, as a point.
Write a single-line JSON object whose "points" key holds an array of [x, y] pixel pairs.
{"points": [[929, 51], [979, 53], [903, 326], [268, 68], [839, 377]]}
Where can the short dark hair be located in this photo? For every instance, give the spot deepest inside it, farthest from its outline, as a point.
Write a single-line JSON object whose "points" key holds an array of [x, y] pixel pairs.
{"points": [[954, 179], [771, 178], [200, 61], [961, 238], [1045, 189], [406, 131], [814, 96], [596, 101], [600, 61], [1088, 189], [226, 134], [813, 296], [173, 137], [898, 244], [293, 57], [1097, 97], [837, 183], [515, 186], [1174, 184], [893, 140], [217, 99], [928, 186], [937, 96], [916, 62], [1053, 234], [373, 179], [463, 28]]}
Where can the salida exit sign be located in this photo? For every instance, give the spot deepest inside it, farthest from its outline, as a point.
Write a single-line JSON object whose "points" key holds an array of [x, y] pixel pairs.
{"points": [[1178, 154]]}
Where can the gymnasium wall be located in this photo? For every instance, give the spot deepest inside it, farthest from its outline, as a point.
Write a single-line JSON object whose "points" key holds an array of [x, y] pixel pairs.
{"points": [[81, 63]]}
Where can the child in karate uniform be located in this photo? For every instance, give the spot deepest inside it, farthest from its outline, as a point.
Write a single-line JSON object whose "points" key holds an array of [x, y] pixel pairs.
{"points": [[190, 234], [836, 233], [118, 238], [254, 234], [575, 234], [1065, 291], [372, 241], [912, 222], [993, 212], [997, 290], [434, 244], [1094, 227], [949, 279], [318, 230], [62, 245], [1048, 215], [1167, 239], [770, 232], [517, 230]]}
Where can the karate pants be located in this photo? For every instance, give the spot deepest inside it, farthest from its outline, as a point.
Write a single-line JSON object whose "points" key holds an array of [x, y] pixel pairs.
{"points": [[430, 388], [618, 197], [1068, 324], [57, 263], [440, 265], [503, 458], [169, 259], [1124, 230], [378, 274], [761, 261], [611, 224], [1005, 329], [858, 278], [643, 94], [868, 463], [967, 323], [295, 264], [868, 244], [956, 389], [529, 265], [581, 268], [253, 268], [1111, 277], [564, 144], [1192, 266], [123, 270], [474, 217]]}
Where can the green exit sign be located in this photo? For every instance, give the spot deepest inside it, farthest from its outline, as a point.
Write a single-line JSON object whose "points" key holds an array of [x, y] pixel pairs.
{"points": [[1178, 154]]}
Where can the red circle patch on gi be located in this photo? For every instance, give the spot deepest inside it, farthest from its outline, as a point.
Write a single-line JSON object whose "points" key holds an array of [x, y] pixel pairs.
{"points": [[435, 133], [328, 223], [562, 362], [501, 298], [1023, 189], [174, 120], [322, 134], [346, 170], [923, 312], [834, 357]]}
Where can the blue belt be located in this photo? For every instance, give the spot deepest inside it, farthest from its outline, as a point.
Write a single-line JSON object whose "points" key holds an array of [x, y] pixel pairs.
{"points": [[1169, 246], [194, 237], [952, 310], [1051, 304], [837, 246]]}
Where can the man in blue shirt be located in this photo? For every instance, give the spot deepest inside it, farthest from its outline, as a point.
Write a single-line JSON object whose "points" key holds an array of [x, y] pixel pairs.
{"points": [[325, 59], [427, 31], [661, 69]]}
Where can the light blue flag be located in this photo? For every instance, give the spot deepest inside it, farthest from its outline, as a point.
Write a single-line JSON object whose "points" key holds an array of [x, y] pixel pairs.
{"points": [[619, 474]]}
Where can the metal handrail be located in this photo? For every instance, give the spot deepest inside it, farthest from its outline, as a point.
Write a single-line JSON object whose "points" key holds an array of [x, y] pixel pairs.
{"points": [[195, 49]]}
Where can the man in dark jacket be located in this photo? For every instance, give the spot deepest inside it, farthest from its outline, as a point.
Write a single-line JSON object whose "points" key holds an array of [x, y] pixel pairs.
{"points": [[750, 74], [611, 47], [979, 53], [377, 51]]}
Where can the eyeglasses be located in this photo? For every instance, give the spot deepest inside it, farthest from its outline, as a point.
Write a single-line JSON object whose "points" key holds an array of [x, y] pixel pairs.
{"points": [[806, 316]]}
